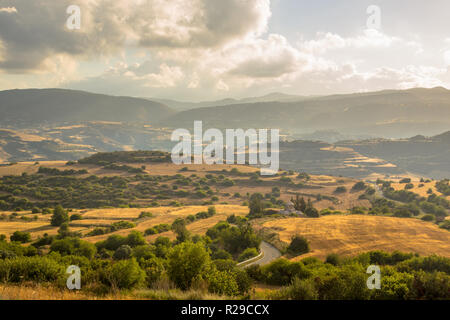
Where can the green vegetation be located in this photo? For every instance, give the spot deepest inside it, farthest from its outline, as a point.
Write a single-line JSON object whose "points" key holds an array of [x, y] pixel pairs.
{"points": [[405, 276], [298, 246]]}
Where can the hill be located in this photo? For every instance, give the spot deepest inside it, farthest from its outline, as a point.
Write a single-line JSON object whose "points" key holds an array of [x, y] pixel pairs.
{"points": [[33, 106], [271, 97], [353, 234], [428, 156], [393, 113]]}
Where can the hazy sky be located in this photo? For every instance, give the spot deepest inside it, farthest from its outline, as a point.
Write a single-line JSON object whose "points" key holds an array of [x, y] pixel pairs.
{"points": [[211, 49]]}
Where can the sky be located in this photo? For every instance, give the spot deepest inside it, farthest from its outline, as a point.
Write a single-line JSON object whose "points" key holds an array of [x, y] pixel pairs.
{"points": [[196, 50]]}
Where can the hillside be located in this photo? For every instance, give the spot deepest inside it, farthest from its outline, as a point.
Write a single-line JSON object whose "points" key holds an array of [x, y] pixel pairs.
{"points": [[419, 154], [354, 234], [384, 114], [34, 106]]}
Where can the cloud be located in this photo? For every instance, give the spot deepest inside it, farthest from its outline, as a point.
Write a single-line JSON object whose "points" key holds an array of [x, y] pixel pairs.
{"points": [[269, 58], [198, 23], [8, 10], [201, 48], [109, 25]]}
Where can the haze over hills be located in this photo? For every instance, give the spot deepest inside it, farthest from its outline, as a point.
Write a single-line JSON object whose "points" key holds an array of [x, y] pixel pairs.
{"points": [[275, 96], [349, 134], [35, 106], [390, 114]]}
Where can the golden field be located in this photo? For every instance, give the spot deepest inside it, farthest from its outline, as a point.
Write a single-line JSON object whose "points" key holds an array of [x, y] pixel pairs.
{"points": [[352, 234], [422, 191], [104, 217]]}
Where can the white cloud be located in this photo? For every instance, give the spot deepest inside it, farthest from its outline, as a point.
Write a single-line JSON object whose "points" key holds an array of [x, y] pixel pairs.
{"points": [[204, 48], [8, 10]]}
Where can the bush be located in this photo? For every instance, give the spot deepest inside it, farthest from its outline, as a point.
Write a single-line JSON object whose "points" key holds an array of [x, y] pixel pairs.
{"points": [[22, 237], [333, 259], [301, 289], [247, 254], [145, 215], [36, 269], [59, 217], [298, 246], [154, 270], [281, 272], [222, 283], [340, 190], [124, 274], [359, 186], [74, 246], [75, 217], [122, 253], [186, 262], [221, 254], [135, 238], [428, 217]]}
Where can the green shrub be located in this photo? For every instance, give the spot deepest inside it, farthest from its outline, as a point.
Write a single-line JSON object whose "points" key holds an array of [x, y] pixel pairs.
{"points": [[124, 274], [75, 217], [59, 217], [247, 254], [186, 262], [298, 246], [340, 190], [300, 289], [122, 253], [428, 217], [36, 269], [73, 246], [333, 259], [359, 186], [222, 283], [22, 237], [282, 272]]}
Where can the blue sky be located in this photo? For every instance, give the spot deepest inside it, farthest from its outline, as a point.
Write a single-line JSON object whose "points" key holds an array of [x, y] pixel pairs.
{"points": [[212, 49]]}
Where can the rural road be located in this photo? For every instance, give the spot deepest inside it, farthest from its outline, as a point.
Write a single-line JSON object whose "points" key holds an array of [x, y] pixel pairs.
{"points": [[270, 253]]}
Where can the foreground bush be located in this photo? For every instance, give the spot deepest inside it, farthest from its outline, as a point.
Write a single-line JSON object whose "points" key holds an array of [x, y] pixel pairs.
{"points": [[186, 262], [36, 269], [124, 274]]}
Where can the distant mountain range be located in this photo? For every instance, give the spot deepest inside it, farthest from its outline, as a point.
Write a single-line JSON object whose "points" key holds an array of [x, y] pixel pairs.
{"points": [[392, 113], [387, 114], [275, 96]]}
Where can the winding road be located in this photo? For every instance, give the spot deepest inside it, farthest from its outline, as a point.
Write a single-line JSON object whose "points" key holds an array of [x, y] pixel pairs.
{"points": [[269, 253]]}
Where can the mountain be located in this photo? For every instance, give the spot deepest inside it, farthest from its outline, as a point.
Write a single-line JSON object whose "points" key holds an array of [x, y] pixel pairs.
{"points": [[271, 97], [390, 114], [34, 106]]}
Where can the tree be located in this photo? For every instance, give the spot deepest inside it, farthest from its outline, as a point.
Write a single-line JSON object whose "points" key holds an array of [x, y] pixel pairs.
{"points": [[256, 204], [59, 216], [310, 211], [359, 186], [186, 262], [20, 236], [299, 245], [299, 203], [124, 274], [122, 253], [179, 228]]}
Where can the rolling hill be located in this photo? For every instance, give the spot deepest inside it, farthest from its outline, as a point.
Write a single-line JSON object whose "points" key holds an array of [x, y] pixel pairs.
{"points": [[393, 114], [36, 106]]}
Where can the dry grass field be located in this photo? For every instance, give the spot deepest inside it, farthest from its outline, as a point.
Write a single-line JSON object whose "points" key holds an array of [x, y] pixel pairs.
{"points": [[422, 190], [165, 215], [318, 184], [105, 217], [353, 234]]}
